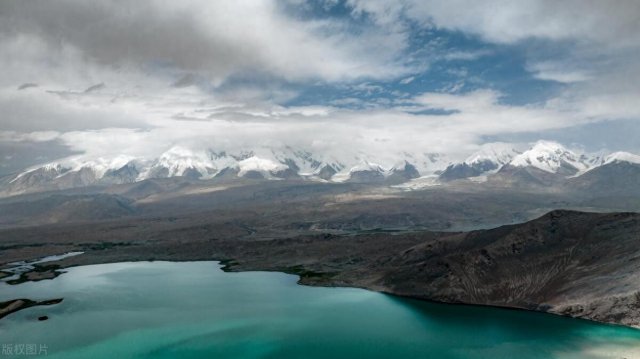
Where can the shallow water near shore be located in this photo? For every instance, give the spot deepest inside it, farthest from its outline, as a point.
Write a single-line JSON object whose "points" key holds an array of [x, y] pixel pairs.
{"points": [[195, 310]]}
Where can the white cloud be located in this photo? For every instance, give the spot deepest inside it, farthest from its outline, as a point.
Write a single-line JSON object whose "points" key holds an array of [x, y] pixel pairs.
{"points": [[346, 135], [465, 55], [480, 100], [407, 80], [139, 49], [36, 136], [594, 45], [219, 39], [507, 21], [559, 72]]}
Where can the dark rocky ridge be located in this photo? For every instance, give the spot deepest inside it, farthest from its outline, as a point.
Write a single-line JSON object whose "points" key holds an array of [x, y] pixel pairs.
{"points": [[578, 264]]}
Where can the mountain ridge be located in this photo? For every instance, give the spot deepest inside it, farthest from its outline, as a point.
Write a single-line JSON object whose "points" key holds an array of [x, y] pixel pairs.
{"points": [[542, 163]]}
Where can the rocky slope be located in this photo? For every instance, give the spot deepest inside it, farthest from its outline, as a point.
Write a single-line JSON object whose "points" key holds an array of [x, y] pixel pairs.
{"points": [[578, 264]]}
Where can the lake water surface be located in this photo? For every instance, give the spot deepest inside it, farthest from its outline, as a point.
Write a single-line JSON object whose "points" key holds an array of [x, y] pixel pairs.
{"points": [[194, 310]]}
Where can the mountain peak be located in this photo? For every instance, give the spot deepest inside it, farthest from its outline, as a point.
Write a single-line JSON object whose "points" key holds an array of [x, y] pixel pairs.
{"points": [[263, 166], [490, 157], [177, 161], [622, 157], [551, 157], [496, 152]]}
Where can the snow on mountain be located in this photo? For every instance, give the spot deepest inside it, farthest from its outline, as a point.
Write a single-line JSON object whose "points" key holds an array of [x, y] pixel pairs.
{"points": [[617, 173], [369, 172], [548, 156], [593, 159], [419, 183], [364, 171], [285, 162], [622, 157], [100, 166], [45, 172], [602, 158], [280, 162], [267, 168], [402, 172], [426, 163], [405, 167], [306, 162], [179, 161], [367, 166], [551, 157], [490, 157], [499, 153], [71, 171]]}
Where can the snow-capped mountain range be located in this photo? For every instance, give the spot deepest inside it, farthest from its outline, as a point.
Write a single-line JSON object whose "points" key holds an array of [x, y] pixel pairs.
{"points": [[544, 156], [260, 163], [548, 157]]}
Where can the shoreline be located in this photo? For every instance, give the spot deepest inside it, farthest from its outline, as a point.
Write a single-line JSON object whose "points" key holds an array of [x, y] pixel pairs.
{"points": [[226, 266], [533, 266]]}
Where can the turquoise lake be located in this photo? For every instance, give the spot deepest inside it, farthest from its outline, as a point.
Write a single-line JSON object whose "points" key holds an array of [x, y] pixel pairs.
{"points": [[195, 310]]}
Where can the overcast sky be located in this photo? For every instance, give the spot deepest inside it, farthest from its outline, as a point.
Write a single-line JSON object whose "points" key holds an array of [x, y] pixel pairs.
{"points": [[106, 78]]}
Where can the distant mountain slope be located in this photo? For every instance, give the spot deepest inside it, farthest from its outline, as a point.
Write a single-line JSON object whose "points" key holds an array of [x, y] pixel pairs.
{"points": [[619, 174], [526, 177], [65, 209], [546, 163]]}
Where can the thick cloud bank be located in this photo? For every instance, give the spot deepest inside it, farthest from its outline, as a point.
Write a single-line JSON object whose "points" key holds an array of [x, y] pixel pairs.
{"points": [[111, 78]]}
